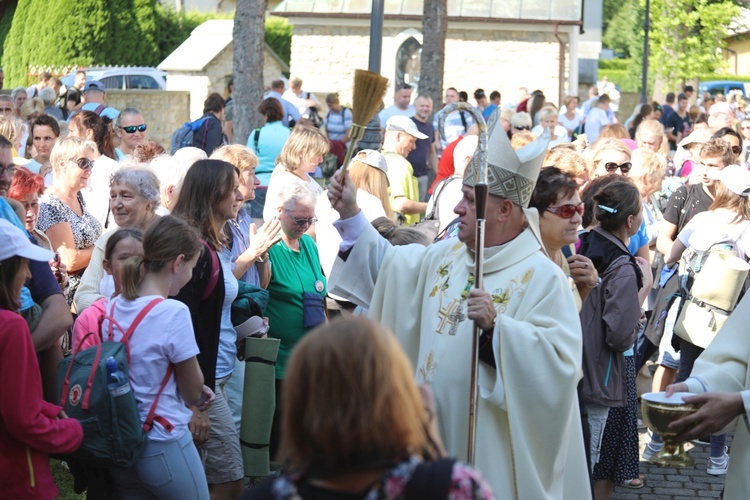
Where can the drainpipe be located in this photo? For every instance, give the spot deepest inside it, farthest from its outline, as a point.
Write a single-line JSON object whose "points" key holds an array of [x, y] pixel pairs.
{"points": [[376, 35], [561, 65]]}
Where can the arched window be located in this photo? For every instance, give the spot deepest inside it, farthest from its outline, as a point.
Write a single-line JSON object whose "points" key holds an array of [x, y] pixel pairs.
{"points": [[408, 63]]}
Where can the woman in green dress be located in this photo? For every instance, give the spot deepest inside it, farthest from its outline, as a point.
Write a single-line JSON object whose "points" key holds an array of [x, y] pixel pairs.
{"points": [[297, 289]]}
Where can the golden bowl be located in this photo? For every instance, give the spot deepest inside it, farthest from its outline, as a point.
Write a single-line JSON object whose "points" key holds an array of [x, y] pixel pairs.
{"points": [[658, 412]]}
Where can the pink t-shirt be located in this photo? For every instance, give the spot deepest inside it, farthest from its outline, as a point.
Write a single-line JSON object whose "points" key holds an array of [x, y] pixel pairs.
{"points": [[88, 322]]}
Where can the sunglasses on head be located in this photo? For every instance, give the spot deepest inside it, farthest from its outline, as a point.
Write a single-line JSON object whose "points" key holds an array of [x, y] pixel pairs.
{"points": [[612, 167], [83, 163], [403, 86], [566, 211], [522, 127], [132, 128]]}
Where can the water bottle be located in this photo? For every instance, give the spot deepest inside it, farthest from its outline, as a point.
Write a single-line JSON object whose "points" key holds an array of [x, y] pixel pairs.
{"points": [[117, 382]]}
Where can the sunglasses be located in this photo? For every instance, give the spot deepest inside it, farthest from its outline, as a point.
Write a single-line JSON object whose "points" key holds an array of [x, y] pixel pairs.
{"points": [[6, 110], [736, 150], [403, 86], [132, 128], [83, 163], [302, 222], [612, 167], [566, 211], [525, 127]]}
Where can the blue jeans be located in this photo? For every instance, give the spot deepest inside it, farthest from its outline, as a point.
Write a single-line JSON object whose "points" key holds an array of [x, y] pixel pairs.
{"points": [[167, 470]]}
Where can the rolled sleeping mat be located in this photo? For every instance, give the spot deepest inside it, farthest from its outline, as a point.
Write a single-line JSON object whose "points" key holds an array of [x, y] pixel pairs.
{"points": [[258, 404]]}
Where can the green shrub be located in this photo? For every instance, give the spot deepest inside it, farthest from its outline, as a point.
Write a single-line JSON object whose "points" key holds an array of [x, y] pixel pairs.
{"points": [[614, 64], [279, 37]]}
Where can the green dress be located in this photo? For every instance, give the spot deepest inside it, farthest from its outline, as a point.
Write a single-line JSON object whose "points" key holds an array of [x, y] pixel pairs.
{"points": [[292, 274]]}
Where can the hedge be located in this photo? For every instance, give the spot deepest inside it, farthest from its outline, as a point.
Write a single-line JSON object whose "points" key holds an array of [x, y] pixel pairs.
{"points": [[65, 33]]}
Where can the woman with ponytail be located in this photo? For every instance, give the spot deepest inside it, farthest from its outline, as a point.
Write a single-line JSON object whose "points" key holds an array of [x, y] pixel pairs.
{"points": [[170, 467]]}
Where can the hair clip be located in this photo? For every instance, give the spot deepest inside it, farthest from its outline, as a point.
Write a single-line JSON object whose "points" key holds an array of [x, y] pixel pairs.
{"points": [[608, 209]]}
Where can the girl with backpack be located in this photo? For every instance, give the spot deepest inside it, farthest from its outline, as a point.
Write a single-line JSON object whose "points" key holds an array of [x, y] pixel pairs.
{"points": [[30, 428], [724, 226], [170, 467]]}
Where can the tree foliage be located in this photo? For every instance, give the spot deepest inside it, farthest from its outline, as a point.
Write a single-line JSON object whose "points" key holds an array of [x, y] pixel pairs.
{"points": [[685, 37], [279, 37]]}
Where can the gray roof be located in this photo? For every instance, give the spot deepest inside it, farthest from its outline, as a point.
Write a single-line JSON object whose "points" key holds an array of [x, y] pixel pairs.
{"points": [[203, 45], [490, 10]]}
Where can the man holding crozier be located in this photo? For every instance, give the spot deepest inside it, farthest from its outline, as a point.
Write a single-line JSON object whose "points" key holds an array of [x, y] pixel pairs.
{"points": [[529, 440]]}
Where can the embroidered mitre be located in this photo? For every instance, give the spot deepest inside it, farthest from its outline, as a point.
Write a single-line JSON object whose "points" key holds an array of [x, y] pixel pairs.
{"points": [[510, 174]]}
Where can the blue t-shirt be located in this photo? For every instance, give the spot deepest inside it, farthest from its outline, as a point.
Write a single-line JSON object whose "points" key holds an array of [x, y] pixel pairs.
{"points": [[638, 239], [271, 139]]}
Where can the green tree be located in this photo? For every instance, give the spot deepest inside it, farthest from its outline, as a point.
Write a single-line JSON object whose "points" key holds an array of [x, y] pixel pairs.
{"points": [[685, 37], [279, 37]]}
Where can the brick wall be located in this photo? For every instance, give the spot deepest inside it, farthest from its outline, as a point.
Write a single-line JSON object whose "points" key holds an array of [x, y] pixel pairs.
{"points": [[164, 111]]}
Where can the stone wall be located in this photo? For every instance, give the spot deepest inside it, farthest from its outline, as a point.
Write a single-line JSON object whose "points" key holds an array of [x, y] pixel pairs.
{"points": [[325, 57], [163, 111]]}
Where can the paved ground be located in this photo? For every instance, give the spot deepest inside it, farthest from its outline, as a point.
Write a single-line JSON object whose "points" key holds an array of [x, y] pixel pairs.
{"points": [[664, 483]]}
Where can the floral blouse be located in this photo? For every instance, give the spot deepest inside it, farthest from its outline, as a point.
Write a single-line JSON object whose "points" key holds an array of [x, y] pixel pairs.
{"points": [[52, 210], [466, 484]]}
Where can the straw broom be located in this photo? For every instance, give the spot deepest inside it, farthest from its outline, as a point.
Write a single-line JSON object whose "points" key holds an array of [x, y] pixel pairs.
{"points": [[369, 89]]}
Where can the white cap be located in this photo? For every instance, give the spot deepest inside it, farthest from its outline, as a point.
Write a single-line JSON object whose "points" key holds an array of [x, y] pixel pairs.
{"points": [[17, 243], [734, 177], [372, 158], [401, 123]]}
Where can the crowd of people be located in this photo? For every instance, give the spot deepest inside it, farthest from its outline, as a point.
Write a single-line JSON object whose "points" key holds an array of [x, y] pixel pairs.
{"points": [[603, 243]]}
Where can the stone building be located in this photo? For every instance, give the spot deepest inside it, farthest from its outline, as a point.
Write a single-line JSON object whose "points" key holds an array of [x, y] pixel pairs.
{"points": [[203, 63], [493, 44]]}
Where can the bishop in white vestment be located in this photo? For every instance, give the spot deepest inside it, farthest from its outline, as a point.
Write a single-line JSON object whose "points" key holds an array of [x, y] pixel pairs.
{"points": [[529, 439]]}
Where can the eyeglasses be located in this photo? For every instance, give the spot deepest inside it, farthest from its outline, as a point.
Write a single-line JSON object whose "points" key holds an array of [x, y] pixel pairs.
{"points": [[566, 211], [83, 163], [10, 170], [524, 127], [736, 150], [302, 222], [132, 128], [612, 167]]}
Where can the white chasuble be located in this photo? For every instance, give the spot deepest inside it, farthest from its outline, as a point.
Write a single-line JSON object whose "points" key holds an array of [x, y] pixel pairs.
{"points": [[723, 367], [529, 438]]}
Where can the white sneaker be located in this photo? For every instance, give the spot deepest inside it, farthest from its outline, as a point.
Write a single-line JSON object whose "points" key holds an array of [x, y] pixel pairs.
{"points": [[650, 450], [718, 466]]}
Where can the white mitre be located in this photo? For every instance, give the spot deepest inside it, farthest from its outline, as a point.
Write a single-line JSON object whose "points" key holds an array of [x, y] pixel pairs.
{"points": [[510, 174]]}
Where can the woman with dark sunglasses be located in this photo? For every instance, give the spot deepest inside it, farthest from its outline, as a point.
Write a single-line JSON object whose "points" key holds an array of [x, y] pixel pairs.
{"points": [[731, 136], [560, 209], [611, 156], [610, 320], [63, 216]]}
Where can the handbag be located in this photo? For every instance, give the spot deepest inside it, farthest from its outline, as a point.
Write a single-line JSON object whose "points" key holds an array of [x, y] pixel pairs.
{"points": [[430, 225]]}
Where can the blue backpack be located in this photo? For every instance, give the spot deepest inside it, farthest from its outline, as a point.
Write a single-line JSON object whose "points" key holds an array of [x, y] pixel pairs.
{"points": [[113, 435], [183, 136]]}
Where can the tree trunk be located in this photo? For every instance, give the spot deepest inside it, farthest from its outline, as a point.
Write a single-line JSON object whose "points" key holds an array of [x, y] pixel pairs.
{"points": [[434, 28], [249, 48]]}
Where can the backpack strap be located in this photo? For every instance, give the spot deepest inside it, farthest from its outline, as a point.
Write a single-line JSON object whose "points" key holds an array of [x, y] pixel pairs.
{"points": [[256, 138], [463, 121], [100, 108], [152, 416], [431, 480], [215, 270], [205, 133], [129, 332]]}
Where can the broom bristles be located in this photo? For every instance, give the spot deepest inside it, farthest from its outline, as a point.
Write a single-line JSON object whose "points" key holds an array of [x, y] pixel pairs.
{"points": [[369, 90]]}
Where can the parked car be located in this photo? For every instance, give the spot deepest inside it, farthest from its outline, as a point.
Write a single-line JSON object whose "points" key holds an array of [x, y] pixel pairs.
{"points": [[714, 87], [123, 78]]}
